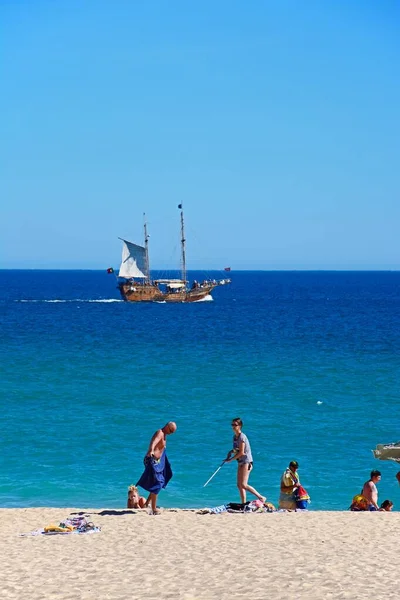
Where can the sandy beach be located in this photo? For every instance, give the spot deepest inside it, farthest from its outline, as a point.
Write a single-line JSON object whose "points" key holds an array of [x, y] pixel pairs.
{"points": [[185, 555]]}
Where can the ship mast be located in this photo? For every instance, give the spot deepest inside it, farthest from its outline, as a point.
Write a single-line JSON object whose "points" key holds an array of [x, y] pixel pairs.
{"points": [[146, 248], [183, 271]]}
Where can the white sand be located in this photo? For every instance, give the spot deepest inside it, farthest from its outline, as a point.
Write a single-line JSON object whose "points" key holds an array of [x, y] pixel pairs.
{"points": [[315, 555]]}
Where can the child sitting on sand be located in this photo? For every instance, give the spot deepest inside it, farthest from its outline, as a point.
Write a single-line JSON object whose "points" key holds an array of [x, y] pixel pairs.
{"points": [[134, 500], [386, 505]]}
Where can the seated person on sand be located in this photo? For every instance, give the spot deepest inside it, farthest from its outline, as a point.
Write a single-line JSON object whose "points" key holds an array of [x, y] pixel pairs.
{"points": [[359, 503], [290, 481], [134, 500], [386, 506]]}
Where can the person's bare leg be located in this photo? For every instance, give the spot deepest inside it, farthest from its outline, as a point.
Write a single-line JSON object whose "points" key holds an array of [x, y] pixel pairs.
{"points": [[153, 504], [147, 501], [248, 487], [242, 481]]}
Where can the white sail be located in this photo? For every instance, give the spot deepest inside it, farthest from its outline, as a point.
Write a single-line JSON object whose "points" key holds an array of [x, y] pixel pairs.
{"points": [[133, 262]]}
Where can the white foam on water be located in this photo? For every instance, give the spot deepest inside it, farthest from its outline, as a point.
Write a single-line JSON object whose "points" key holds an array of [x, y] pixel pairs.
{"points": [[207, 298], [105, 300]]}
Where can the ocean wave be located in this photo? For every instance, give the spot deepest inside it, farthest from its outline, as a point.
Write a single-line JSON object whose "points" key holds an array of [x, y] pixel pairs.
{"points": [[207, 298], [105, 300]]}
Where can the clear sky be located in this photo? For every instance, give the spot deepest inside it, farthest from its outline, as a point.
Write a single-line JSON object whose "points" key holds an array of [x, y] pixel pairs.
{"points": [[276, 123]]}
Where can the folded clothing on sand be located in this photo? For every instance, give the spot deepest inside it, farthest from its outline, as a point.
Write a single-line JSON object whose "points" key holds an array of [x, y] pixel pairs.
{"points": [[70, 525]]}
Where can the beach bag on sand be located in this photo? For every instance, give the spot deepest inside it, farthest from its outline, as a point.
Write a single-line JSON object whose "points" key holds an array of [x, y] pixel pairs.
{"points": [[302, 498], [359, 503]]}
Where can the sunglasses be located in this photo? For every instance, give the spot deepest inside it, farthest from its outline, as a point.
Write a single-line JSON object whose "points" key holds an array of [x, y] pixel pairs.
{"points": [[235, 425]]}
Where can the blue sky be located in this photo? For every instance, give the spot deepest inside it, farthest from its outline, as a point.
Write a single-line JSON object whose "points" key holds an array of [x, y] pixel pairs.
{"points": [[276, 123]]}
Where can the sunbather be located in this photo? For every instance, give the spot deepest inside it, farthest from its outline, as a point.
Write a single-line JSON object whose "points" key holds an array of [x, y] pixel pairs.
{"points": [[134, 498]]}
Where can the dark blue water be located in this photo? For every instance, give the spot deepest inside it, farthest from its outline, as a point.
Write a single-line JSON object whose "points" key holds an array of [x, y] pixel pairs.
{"points": [[309, 360]]}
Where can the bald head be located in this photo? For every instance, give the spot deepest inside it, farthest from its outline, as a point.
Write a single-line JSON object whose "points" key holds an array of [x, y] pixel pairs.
{"points": [[169, 428]]}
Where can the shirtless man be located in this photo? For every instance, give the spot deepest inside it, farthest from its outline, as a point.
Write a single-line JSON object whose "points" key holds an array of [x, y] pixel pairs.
{"points": [[370, 491], [157, 469], [158, 442]]}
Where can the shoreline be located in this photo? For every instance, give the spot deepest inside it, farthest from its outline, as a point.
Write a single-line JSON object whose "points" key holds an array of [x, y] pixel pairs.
{"points": [[186, 555]]}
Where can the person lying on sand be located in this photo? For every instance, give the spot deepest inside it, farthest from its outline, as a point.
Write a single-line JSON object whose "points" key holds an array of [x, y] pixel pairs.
{"points": [[134, 499]]}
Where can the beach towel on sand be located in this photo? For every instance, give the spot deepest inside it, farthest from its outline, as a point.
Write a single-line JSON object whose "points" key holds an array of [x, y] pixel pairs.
{"points": [[236, 507], [156, 474], [71, 525]]}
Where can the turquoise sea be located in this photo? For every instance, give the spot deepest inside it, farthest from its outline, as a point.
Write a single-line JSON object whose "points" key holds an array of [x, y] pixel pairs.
{"points": [[309, 360]]}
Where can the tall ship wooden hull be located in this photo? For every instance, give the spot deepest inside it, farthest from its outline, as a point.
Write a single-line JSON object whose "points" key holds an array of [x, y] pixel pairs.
{"points": [[135, 284], [152, 293]]}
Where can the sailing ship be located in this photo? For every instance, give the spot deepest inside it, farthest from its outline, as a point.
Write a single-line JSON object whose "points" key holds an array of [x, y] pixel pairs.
{"points": [[136, 285]]}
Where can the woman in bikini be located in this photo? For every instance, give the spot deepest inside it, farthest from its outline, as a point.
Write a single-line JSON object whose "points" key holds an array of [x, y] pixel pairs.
{"points": [[134, 499], [242, 453]]}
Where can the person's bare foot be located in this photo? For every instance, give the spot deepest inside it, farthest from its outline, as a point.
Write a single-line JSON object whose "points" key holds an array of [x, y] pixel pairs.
{"points": [[263, 499], [155, 512]]}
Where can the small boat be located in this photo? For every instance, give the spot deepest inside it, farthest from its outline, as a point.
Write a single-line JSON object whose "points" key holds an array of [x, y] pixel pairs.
{"points": [[135, 283], [389, 451]]}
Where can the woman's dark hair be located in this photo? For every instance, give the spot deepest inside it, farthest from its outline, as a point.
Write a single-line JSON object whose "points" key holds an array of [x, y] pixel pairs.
{"points": [[386, 503], [239, 421]]}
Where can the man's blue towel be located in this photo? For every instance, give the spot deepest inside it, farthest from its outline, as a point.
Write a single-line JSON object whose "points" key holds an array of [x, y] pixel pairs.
{"points": [[156, 474]]}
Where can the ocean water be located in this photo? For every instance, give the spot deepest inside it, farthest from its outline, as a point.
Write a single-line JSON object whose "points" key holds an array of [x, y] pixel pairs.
{"points": [[309, 360]]}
